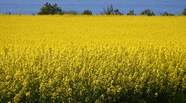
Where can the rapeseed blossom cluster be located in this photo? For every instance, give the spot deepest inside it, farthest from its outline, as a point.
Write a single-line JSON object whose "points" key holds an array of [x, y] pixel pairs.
{"points": [[92, 59]]}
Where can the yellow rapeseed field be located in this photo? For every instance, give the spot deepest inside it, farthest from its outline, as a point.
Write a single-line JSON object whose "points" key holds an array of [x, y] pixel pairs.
{"points": [[92, 59]]}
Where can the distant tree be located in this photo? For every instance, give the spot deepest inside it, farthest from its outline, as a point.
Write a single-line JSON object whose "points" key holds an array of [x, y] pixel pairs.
{"points": [[166, 14], [131, 12], [110, 11], [72, 12], [87, 12], [184, 12], [50, 9], [147, 12], [117, 12], [8, 13]]}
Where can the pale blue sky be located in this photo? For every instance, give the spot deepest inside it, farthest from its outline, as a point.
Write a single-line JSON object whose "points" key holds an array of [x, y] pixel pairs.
{"points": [[96, 6]]}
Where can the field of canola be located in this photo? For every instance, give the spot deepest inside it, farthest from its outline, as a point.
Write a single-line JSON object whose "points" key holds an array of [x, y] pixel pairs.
{"points": [[88, 59]]}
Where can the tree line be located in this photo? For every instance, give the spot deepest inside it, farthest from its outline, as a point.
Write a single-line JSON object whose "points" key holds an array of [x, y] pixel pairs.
{"points": [[49, 9]]}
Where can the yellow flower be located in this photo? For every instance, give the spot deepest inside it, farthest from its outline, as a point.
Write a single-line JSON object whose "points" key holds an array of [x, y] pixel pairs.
{"points": [[28, 94], [119, 89], [156, 94]]}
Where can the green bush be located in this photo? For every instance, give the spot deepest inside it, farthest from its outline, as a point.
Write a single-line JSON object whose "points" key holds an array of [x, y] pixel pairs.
{"points": [[71, 12], [87, 12]]}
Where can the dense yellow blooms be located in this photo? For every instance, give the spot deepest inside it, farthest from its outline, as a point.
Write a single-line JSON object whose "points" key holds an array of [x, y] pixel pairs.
{"points": [[92, 58]]}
